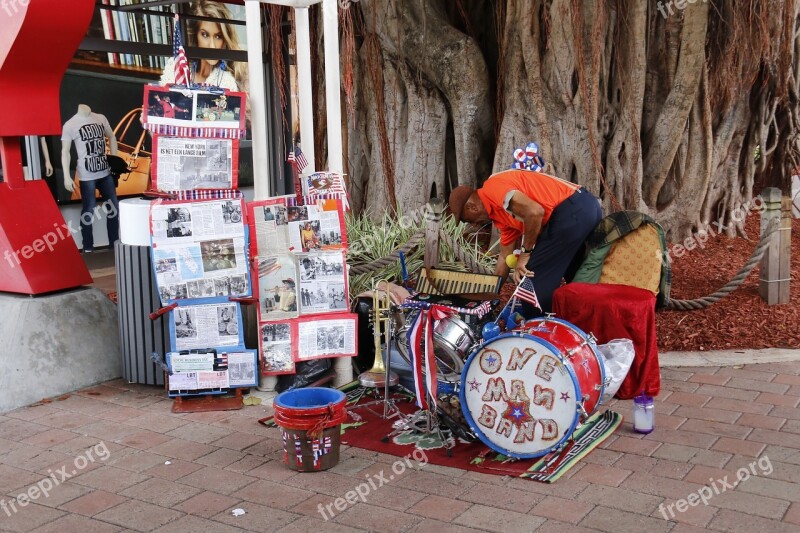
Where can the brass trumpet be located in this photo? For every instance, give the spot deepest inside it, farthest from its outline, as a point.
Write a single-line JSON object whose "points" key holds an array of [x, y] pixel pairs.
{"points": [[379, 375]]}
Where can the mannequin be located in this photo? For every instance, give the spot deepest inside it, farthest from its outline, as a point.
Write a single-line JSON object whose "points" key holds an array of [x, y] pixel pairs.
{"points": [[89, 132], [48, 167]]}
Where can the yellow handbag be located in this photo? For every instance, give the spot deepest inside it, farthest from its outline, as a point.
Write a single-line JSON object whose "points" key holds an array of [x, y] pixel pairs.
{"points": [[137, 179]]}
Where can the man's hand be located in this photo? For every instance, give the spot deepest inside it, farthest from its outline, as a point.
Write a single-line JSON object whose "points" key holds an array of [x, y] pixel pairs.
{"points": [[522, 268], [68, 183]]}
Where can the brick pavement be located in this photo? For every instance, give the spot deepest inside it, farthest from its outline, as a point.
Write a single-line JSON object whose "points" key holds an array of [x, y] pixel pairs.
{"points": [[168, 472]]}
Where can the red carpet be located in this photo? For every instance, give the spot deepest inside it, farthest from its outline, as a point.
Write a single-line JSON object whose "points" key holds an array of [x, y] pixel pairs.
{"points": [[366, 429]]}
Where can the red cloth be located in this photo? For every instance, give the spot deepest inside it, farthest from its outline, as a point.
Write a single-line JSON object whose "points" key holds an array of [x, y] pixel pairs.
{"points": [[616, 312]]}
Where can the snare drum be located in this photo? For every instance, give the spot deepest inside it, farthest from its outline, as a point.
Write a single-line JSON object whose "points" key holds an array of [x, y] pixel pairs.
{"points": [[524, 395], [452, 342]]}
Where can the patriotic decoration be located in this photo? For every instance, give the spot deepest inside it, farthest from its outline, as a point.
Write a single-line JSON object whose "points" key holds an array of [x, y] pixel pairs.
{"points": [[297, 159], [528, 158], [327, 185], [215, 132], [298, 445], [182, 76], [285, 449], [526, 292], [423, 323]]}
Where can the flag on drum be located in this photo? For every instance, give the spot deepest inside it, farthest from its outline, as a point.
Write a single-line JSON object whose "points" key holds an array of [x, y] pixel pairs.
{"points": [[527, 293]]}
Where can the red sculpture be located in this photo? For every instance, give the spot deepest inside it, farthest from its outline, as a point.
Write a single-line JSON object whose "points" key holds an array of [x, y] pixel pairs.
{"points": [[39, 38]]}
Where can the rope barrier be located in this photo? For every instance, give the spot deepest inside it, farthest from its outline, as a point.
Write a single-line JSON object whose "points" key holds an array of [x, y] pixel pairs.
{"points": [[733, 284], [385, 261]]}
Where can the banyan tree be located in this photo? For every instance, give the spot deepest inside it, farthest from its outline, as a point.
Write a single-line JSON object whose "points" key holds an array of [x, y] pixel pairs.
{"points": [[677, 108]]}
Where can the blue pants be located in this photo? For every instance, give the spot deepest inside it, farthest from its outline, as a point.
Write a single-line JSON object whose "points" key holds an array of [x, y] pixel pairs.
{"points": [[560, 247], [108, 194]]}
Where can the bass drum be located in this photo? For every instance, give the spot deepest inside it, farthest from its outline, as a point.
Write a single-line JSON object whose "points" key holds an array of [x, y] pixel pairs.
{"points": [[452, 342], [582, 352], [522, 394]]}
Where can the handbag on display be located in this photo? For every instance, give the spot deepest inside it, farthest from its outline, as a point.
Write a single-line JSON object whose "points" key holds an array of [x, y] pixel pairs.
{"points": [[134, 179]]}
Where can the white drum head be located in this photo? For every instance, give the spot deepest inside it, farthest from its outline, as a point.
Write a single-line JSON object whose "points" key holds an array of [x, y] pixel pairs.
{"points": [[519, 397]]}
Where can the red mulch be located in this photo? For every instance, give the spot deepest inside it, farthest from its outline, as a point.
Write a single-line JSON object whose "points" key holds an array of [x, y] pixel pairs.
{"points": [[743, 319]]}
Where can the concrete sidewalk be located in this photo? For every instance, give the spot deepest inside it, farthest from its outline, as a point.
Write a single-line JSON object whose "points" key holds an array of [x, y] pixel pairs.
{"points": [[117, 459]]}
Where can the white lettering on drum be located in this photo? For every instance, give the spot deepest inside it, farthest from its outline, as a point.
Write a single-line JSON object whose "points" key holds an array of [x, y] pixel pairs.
{"points": [[488, 416], [526, 432], [549, 428], [504, 427], [518, 393], [546, 366], [518, 359], [544, 397], [495, 390]]}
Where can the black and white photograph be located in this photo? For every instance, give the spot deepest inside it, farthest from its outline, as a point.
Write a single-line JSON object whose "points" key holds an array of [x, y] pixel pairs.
{"points": [[330, 339], [178, 291], [222, 286], [277, 357], [268, 211], [238, 285], [242, 369], [218, 254], [329, 266], [275, 332], [166, 265], [320, 297], [185, 327], [232, 212], [194, 289], [227, 321], [281, 215], [179, 222]]}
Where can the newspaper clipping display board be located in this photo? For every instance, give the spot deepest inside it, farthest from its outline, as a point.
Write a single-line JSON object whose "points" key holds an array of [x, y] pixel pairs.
{"points": [[301, 270], [199, 249], [183, 164]]}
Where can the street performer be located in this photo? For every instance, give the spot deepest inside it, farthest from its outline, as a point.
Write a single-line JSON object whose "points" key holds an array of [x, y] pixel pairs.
{"points": [[547, 217]]}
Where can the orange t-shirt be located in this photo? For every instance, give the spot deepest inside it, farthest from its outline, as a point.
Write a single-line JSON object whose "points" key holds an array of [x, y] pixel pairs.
{"points": [[547, 191]]}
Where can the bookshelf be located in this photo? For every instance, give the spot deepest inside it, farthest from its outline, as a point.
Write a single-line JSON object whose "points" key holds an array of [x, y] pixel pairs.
{"points": [[136, 41]]}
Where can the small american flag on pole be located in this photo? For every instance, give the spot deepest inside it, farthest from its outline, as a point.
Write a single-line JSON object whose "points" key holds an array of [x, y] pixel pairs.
{"points": [[179, 54], [297, 159], [527, 293]]}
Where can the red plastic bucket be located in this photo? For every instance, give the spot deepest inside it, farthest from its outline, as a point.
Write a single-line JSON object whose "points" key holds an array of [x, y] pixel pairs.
{"points": [[310, 421]]}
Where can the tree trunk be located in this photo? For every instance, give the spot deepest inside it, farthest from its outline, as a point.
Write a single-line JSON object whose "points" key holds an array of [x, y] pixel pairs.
{"points": [[650, 107]]}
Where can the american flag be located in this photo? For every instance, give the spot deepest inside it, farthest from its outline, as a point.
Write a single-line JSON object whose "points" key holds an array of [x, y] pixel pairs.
{"points": [[297, 159], [526, 292], [181, 64]]}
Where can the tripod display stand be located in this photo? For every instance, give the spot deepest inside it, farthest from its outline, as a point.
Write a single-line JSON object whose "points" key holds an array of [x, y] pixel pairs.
{"points": [[381, 375]]}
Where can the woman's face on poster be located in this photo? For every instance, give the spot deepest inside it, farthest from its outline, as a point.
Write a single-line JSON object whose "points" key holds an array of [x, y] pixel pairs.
{"points": [[209, 35]]}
